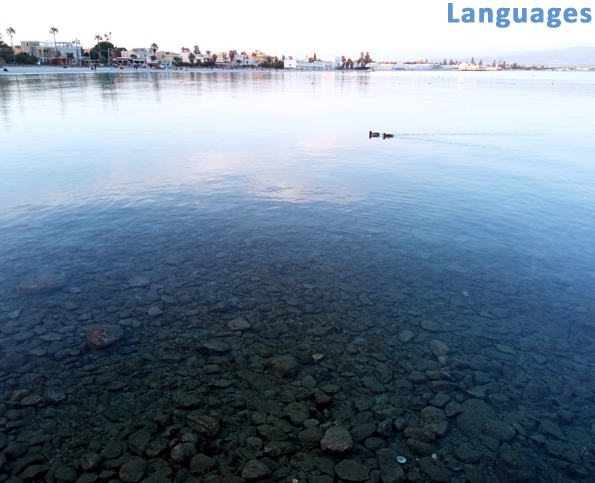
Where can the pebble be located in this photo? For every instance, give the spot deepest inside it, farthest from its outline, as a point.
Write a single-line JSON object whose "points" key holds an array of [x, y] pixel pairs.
{"points": [[136, 282], [90, 461], [255, 470], [283, 366], [182, 452], [133, 470], [214, 347], [41, 284], [103, 335], [352, 470], [238, 323], [430, 325], [406, 335], [336, 440], [204, 425], [154, 311]]}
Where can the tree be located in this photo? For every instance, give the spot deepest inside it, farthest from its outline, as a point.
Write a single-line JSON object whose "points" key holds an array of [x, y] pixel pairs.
{"points": [[196, 50], [26, 59], [54, 31], [367, 59], [444, 63], [10, 32], [232, 54], [214, 58], [473, 60], [191, 57], [76, 43], [314, 57], [184, 50], [480, 62], [154, 48], [108, 39]]}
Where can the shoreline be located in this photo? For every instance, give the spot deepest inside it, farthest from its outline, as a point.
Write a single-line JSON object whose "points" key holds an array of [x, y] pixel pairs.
{"points": [[40, 70]]}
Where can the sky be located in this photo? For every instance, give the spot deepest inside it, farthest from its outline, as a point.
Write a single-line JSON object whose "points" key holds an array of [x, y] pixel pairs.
{"points": [[391, 30]]}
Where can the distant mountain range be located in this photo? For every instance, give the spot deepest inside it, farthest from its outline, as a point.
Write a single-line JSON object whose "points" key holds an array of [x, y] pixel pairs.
{"points": [[571, 56]]}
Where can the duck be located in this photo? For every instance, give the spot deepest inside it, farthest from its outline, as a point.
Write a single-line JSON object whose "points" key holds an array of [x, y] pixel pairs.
{"points": [[384, 136], [374, 134]]}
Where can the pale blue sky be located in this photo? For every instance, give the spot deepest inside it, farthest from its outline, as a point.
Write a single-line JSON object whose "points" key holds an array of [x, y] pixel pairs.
{"points": [[389, 29]]}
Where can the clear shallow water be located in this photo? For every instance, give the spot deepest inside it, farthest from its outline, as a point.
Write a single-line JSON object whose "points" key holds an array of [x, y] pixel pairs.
{"points": [[260, 196]]}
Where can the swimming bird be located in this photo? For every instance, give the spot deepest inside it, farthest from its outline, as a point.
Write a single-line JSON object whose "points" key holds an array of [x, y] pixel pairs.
{"points": [[374, 134], [384, 136]]}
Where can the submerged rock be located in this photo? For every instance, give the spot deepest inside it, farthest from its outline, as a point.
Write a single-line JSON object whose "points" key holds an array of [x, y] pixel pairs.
{"points": [[238, 324], [103, 335], [336, 440], [202, 424], [255, 470], [283, 366], [40, 284], [214, 347], [352, 470]]}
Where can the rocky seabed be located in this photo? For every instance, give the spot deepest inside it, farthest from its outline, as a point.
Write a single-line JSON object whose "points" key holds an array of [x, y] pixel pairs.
{"points": [[164, 362]]}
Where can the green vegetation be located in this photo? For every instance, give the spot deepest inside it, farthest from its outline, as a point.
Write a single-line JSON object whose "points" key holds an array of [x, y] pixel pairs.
{"points": [[26, 59], [100, 50]]}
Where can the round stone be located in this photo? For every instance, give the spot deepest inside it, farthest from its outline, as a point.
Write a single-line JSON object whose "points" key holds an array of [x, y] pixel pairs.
{"points": [[255, 470], [42, 283], [90, 461], [103, 335], [182, 452], [352, 470], [238, 324], [336, 440], [133, 470], [138, 282], [201, 464], [202, 424]]}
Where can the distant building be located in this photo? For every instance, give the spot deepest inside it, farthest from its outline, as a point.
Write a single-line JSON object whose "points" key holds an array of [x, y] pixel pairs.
{"points": [[470, 66], [166, 57], [139, 53], [258, 57], [307, 65], [135, 57], [45, 51]]}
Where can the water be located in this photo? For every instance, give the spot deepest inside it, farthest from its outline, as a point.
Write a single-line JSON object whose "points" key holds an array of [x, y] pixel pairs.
{"points": [[204, 198]]}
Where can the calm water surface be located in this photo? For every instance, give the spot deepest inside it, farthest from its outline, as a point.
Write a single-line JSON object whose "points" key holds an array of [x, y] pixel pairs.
{"points": [[234, 225]]}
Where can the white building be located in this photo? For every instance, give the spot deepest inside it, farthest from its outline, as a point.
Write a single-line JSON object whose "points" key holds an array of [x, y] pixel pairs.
{"points": [[47, 50], [167, 57], [306, 65], [139, 53]]}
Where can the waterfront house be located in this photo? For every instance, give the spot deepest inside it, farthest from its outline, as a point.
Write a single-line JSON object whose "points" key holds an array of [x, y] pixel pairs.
{"points": [[45, 51]]}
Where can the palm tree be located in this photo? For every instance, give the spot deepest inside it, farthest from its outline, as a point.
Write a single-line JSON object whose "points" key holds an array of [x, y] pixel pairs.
{"points": [[10, 32], [191, 57], [108, 39], [154, 48], [54, 31], [76, 43], [99, 38], [184, 49], [196, 50]]}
